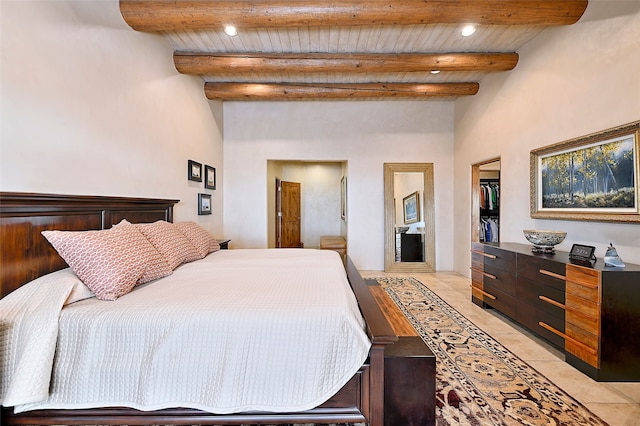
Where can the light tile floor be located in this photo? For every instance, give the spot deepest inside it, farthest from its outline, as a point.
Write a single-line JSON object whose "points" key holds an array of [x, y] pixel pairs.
{"points": [[616, 403]]}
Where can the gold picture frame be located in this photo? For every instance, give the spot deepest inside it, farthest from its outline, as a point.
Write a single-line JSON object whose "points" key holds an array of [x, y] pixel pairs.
{"points": [[593, 177], [411, 208]]}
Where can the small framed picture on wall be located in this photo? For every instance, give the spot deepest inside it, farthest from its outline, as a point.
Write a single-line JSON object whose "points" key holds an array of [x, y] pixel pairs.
{"points": [[204, 204], [209, 177], [194, 171]]}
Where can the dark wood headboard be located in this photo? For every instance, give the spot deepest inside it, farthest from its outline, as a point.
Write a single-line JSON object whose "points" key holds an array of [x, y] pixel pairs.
{"points": [[26, 255]]}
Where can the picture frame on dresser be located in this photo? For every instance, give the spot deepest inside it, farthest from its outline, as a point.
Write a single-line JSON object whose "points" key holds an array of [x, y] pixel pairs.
{"points": [[593, 177], [209, 177]]}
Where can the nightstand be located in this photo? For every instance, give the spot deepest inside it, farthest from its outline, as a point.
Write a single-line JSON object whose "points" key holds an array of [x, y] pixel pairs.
{"points": [[224, 244]]}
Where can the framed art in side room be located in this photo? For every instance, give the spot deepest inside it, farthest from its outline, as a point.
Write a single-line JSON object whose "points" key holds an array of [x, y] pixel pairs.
{"points": [[410, 208], [209, 177], [593, 177], [194, 171], [343, 198], [204, 204]]}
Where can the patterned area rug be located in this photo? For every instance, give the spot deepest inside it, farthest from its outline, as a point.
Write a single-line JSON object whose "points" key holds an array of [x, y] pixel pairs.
{"points": [[479, 381]]}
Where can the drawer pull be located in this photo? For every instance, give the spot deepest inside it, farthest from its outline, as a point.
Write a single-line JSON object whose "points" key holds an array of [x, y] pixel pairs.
{"points": [[553, 302], [553, 274], [486, 274], [490, 296], [490, 256], [570, 339]]}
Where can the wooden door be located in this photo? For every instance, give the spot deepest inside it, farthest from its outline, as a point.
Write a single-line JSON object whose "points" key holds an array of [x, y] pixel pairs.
{"points": [[289, 215]]}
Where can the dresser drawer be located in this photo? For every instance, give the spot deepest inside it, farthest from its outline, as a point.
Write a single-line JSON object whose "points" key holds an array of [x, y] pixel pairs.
{"points": [[584, 306], [502, 302], [501, 259], [529, 292], [530, 317], [588, 339], [477, 277], [581, 320], [580, 352], [583, 275], [585, 292], [543, 271], [583, 344], [500, 279], [477, 259]]}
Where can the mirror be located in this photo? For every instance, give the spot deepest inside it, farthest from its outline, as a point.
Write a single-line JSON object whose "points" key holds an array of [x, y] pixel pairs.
{"points": [[409, 218]]}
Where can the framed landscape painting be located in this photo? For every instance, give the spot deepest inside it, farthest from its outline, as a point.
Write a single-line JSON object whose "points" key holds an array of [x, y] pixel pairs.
{"points": [[410, 207], [594, 177]]}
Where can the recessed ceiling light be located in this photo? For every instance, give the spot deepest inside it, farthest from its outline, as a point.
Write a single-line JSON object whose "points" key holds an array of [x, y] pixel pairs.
{"points": [[435, 71], [467, 30], [230, 30]]}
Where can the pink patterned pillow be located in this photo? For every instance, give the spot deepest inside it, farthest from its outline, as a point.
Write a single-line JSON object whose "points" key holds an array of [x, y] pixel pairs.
{"points": [[170, 242], [199, 237], [155, 264], [105, 261]]}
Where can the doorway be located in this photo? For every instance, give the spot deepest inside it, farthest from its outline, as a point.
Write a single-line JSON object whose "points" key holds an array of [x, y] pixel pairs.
{"points": [[322, 211], [485, 201]]}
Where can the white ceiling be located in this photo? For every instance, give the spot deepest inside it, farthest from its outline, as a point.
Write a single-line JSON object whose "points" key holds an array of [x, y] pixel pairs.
{"points": [[388, 39], [270, 29]]}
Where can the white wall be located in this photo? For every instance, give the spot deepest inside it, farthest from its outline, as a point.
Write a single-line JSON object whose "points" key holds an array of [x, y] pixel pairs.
{"points": [[570, 81], [365, 134], [92, 107]]}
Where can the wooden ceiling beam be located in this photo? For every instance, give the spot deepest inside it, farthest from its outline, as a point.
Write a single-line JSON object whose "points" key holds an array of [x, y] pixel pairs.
{"points": [[158, 15], [313, 91], [269, 63]]}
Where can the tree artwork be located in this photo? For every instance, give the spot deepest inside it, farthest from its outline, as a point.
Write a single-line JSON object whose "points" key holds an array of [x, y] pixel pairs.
{"points": [[598, 176]]}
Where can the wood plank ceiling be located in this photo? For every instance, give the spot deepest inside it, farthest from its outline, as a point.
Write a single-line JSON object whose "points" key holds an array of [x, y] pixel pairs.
{"points": [[296, 50]]}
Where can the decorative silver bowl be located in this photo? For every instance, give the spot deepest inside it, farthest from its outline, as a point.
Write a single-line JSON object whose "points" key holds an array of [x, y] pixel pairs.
{"points": [[544, 241]]}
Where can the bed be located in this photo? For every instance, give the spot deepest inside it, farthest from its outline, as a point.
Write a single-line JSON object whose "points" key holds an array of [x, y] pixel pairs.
{"points": [[26, 256]]}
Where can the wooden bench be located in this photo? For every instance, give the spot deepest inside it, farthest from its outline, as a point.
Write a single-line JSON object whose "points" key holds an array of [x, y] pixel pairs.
{"points": [[335, 243]]}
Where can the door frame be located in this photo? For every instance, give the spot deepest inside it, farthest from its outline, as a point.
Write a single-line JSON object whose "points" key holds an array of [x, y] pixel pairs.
{"points": [[475, 197], [278, 214]]}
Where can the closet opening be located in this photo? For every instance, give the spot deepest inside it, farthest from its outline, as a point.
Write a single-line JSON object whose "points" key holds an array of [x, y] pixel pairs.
{"points": [[485, 204]]}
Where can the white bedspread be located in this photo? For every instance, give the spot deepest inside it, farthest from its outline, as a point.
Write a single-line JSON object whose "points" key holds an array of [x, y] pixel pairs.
{"points": [[241, 330]]}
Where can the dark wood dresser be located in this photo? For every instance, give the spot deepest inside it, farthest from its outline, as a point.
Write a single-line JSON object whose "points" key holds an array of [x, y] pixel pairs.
{"points": [[592, 313]]}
